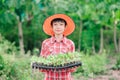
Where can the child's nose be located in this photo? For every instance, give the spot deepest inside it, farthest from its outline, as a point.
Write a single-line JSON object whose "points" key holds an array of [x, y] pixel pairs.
{"points": [[58, 26]]}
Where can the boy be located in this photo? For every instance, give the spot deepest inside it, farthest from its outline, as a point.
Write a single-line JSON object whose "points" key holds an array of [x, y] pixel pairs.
{"points": [[58, 27]]}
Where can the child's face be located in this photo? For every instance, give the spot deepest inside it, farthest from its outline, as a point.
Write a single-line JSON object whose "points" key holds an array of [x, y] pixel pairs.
{"points": [[58, 27]]}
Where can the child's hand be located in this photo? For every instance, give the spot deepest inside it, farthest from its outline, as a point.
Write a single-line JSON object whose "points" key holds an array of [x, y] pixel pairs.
{"points": [[73, 69], [42, 70]]}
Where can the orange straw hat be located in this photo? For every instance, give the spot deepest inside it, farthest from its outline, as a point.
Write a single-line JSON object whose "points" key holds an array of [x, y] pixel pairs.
{"points": [[69, 27]]}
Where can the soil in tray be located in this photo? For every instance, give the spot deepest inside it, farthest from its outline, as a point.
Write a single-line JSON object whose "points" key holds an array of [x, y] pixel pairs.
{"points": [[60, 65], [70, 63], [51, 65]]}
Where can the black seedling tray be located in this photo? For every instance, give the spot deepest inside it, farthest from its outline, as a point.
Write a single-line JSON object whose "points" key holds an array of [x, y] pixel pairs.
{"points": [[36, 65]]}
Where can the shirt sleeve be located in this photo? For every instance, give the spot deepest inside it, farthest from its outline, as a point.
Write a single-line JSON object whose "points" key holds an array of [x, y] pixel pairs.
{"points": [[42, 53], [72, 47], [43, 49]]}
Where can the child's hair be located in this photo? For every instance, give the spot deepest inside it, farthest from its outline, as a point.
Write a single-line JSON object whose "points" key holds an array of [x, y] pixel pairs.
{"points": [[58, 20]]}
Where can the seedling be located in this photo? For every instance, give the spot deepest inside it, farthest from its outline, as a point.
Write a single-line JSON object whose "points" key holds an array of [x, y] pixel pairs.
{"points": [[60, 61]]}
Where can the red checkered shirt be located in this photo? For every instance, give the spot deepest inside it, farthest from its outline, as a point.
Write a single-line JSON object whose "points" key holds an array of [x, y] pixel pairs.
{"points": [[51, 46]]}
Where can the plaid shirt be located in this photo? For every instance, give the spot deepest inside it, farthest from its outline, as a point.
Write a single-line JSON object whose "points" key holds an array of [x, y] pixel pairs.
{"points": [[51, 46]]}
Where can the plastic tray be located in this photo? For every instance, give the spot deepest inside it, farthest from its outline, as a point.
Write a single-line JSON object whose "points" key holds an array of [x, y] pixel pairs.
{"points": [[36, 65]]}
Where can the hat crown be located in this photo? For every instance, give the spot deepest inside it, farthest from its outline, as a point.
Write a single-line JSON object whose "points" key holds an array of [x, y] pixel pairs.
{"points": [[69, 28]]}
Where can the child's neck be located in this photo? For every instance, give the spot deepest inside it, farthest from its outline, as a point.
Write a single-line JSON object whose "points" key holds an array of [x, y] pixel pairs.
{"points": [[59, 37]]}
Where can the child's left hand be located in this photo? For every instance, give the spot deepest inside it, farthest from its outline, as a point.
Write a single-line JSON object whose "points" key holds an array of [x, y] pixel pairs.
{"points": [[72, 69]]}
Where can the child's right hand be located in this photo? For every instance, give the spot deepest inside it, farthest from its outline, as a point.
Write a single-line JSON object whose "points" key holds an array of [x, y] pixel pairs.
{"points": [[42, 70], [72, 69]]}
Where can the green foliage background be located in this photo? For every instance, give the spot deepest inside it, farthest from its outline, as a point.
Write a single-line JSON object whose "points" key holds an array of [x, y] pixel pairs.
{"points": [[90, 16], [14, 66]]}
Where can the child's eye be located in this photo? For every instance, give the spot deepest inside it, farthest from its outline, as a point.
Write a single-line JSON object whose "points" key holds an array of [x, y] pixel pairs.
{"points": [[55, 24], [61, 24]]}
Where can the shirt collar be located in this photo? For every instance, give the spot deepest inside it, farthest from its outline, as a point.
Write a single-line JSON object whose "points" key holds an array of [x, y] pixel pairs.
{"points": [[53, 39]]}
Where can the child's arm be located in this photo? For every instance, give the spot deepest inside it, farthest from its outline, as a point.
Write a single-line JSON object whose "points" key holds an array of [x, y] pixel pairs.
{"points": [[44, 49], [43, 53], [72, 49]]}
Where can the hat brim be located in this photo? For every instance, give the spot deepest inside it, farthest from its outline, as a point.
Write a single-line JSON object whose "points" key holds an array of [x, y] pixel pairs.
{"points": [[69, 27]]}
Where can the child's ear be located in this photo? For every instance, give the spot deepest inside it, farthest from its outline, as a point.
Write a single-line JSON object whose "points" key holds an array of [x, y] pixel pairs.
{"points": [[65, 26]]}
